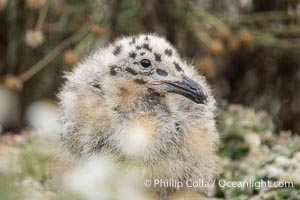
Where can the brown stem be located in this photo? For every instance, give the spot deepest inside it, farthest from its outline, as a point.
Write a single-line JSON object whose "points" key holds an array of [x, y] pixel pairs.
{"points": [[42, 17], [52, 54]]}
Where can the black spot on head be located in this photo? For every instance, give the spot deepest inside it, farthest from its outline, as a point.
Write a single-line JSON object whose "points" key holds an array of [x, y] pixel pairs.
{"points": [[157, 57], [142, 53], [118, 108], [168, 52], [177, 66], [132, 54], [146, 47], [113, 71], [131, 71], [139, 81], [146, 38], [96, 85], [178, 126], [161, 72], [117, 50], [138, 47], [132, 41]]}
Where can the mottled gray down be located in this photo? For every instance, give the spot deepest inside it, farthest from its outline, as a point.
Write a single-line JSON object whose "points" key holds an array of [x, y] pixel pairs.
{"points": [[138, 102]]}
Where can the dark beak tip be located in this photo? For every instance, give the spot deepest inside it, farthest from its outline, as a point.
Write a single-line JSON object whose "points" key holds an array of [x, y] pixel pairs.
{"points": [[201, 101], [190, 89]]}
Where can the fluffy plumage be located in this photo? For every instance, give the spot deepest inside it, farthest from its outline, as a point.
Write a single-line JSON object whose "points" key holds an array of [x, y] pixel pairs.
{"points": [[115, 104]]}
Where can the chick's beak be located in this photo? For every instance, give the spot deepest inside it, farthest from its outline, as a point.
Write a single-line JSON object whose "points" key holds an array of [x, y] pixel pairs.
{"points": [[188, 88]]}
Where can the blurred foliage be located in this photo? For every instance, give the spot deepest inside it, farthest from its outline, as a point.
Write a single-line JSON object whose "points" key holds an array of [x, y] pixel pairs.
{"points": [[238, 123], [26, 160], [23, 166], [252, 151], [248, 49]]}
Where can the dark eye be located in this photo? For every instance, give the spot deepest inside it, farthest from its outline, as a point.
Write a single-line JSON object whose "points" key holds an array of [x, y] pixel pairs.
{"points": [[145, 63]]}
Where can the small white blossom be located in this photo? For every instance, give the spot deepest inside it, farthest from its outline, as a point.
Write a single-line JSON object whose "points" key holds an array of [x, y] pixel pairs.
{"points": [[253, 140], [274, 171], [43, 117], [34, 38], [101, 178], [282, 161]]}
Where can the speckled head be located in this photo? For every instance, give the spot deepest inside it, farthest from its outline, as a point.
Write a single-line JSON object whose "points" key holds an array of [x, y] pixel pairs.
{"points": [[151, 62], [138, 101]]}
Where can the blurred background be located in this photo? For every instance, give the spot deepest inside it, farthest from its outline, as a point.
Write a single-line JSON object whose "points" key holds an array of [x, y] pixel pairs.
{"points": [[249, 50]]}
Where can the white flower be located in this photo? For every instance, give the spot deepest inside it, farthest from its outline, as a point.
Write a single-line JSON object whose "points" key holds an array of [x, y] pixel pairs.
{"points": [[262, 172], [91, 179], [101, 178], [34, 38], [253, 140], [31, 183], [43, 116], [274, 171], [282, 161]]}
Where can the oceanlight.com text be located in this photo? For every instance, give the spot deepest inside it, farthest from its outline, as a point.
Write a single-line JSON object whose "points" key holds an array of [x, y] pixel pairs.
{"points": [[257, 184]]}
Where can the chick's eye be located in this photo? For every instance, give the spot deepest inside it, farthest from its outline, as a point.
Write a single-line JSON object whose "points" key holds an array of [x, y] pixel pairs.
{"points": [[145, 63]]}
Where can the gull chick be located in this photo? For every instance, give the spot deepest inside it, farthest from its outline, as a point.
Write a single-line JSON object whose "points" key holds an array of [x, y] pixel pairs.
{"points": [[140, 103]]}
